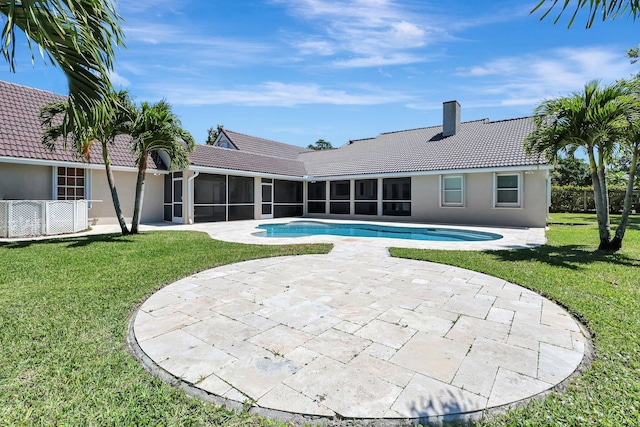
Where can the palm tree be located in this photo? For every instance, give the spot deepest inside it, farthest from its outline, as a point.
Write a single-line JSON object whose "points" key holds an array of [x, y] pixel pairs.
{"points": [[595, 120], [117, 122], [157, 128], [609, 9], [77, 35]]}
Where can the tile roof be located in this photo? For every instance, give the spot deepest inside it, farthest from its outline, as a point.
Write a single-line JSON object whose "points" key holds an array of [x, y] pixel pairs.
{"points": [[225, 158], [477, 144], [253, 144], [20, 130]]}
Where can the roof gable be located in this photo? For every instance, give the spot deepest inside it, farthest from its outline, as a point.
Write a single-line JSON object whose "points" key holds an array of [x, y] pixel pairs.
{"points": [[253, 144], [224, 158]]}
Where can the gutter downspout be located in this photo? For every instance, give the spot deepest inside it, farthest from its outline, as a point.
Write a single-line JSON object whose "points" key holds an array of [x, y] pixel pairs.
{"points": [[190, 207]]}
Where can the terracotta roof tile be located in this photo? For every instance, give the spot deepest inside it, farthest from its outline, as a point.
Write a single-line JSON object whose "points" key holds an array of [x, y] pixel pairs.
{"points": [[20, 130]]}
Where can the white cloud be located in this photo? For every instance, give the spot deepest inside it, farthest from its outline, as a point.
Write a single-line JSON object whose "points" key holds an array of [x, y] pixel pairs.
{"points": [[379, 61], [278, 94], [118, 81], [368, 32], [528, 79]]}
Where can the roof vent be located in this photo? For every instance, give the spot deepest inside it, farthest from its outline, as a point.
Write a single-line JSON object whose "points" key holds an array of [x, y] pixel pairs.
{"points": [[450, 118]]}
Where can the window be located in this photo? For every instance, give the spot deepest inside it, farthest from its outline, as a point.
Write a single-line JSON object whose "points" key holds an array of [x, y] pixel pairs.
{"points": [[452, 190], [366, 189], [317, 194], [70, 184], [317, 190], [210, 189], [284, 211], [366, 208], [340, 208], [288, 198], [340, 190], [223, 198], [396, 195], [288, 191], [396, 189], [240, 190], [507, 190], [316, 207]]}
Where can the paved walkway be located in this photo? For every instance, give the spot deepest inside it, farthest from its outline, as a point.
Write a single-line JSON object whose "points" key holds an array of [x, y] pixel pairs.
{"points": [[356, 334]]}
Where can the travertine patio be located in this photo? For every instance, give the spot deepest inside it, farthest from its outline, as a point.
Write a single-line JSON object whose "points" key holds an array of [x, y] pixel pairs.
{"points": [[357, 334]]}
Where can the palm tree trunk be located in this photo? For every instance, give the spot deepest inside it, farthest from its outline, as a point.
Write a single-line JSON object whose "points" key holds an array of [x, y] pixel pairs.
{"points": [[616, 243], [137, 209], [602, 210], [114, 191]]}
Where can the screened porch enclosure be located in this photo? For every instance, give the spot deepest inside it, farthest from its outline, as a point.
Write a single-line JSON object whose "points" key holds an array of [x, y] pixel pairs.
{"points": [[219, 197], [223, 198]]}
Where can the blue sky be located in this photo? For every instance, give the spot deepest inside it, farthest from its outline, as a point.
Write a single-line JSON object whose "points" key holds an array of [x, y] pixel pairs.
{"points": [[296, 71]]}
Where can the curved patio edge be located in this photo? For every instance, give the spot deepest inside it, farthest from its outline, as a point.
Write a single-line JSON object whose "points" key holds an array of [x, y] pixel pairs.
{"points": [[335, 419], [301, 419]]}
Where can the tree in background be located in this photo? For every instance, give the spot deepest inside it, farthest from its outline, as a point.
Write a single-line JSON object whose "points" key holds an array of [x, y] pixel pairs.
{"points": [[79, 36], [570, 170], [157, 128], [105, 131], [597, 120], [320, 144], [212, 134]]}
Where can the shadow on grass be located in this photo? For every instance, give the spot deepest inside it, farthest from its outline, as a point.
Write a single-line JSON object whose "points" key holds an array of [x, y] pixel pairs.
{"points": [[70, 242], [566, 256]]}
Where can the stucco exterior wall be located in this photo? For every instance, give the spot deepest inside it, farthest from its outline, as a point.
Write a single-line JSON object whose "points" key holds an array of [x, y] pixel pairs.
{"points": [[25, 182], [479, 204], [104, 213]]}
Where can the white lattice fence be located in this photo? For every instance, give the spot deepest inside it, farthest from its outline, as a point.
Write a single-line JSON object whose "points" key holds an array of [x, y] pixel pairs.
{"points": [[82, 215], [26, 218], [60, 218], [3, 219], [23, 218]]}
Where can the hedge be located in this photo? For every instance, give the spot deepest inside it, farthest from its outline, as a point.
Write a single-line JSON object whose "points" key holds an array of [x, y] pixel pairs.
{"points": [[580, 199]]}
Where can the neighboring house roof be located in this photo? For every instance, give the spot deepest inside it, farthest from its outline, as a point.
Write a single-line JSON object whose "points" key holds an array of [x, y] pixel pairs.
{"points": [[20, 130], [477, 144], [253, 144], [225, 158]]}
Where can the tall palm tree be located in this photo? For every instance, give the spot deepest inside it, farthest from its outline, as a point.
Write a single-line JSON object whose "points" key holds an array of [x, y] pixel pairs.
{"points": [[77, 35], [596, 120], [118, 122], [632, 144], [157, 128]]}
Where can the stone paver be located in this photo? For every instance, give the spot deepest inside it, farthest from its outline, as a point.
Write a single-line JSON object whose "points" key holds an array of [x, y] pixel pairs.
{"points": [[359, 334]]}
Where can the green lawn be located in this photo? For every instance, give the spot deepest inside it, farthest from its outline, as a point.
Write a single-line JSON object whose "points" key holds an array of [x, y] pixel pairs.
{"points": [[65, 304], [603, 290], [64, 310]]}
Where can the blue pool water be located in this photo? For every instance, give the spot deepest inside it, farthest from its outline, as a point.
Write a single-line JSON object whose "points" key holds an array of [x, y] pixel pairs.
{"points": [[312, 228]]}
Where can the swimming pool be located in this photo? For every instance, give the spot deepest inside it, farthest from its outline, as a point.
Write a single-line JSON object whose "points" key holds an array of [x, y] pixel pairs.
{"points": [[312, 228]]}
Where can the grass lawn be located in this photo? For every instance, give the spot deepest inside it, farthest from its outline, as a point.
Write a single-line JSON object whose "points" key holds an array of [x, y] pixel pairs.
{"points": [[65, 304], [601, 289], [64, 309]]}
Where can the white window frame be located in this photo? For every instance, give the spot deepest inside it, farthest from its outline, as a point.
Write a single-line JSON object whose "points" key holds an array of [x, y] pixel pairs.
{"points": [[86, 188], [497, 204], [443, 202]]}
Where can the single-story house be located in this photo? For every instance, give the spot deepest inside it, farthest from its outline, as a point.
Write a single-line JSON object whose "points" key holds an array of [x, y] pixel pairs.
{"points": [[472, 172]]}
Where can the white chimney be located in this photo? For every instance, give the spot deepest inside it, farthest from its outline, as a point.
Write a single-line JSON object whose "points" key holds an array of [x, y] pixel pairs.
{"points": [[450, 118]]}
